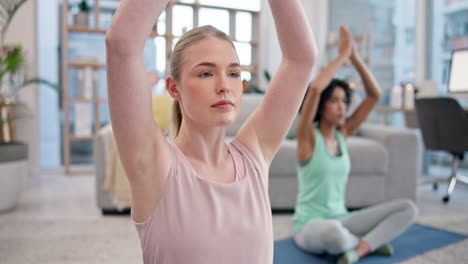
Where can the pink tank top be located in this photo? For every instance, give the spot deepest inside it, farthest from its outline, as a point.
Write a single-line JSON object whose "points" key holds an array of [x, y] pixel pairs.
{"points": [[203, 222]]}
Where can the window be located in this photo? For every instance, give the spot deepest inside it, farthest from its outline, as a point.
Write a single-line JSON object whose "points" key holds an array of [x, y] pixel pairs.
{"points": [[238, 19], [448, 31], [384, 34], [180, 26], [252, 5], [209, 15]]}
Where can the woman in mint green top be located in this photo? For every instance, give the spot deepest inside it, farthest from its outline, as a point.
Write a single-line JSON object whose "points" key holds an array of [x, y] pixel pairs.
{"points": [[322, 197], [321, 222]]}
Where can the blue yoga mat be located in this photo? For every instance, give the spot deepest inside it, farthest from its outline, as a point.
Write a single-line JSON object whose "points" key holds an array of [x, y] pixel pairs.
{"points": [[416, 240]]}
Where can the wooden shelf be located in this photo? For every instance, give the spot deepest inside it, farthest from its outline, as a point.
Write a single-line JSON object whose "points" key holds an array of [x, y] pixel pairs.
{"points": [[85, 29], [253, 42], [154, 34], [197, 5], [71, 137], [250, 68], [86, 64], [88, 100]]}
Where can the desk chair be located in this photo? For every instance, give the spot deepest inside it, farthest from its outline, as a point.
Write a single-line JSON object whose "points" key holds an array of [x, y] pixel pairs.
{"points": [[444, 126]]}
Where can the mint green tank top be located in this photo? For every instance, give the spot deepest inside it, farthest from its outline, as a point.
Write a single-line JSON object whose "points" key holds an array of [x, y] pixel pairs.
{"points": [[322, 183]]}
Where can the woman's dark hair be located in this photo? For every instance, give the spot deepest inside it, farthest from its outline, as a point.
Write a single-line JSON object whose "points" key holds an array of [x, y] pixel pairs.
{"points": [[327, 93]]}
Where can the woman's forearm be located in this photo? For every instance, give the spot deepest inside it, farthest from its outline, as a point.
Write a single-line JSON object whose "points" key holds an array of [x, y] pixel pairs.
{"points": [[370, 83], [328, 73], [294, 34], [132, 24], [309, 107]]}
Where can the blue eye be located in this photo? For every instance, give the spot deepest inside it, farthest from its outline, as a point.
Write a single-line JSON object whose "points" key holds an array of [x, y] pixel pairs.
{"points": [[234, 74], [205, 74]]}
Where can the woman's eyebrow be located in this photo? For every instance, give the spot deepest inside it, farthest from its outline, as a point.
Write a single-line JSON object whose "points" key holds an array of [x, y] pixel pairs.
{"points": [[212, 64]]}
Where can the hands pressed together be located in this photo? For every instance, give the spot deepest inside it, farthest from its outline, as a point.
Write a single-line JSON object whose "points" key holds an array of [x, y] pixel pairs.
{"points": [[347, 46]]}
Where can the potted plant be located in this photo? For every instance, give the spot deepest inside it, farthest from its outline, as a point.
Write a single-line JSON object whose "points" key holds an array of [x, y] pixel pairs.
{"points": [[13, 78], [81, 18], [13, 74]]}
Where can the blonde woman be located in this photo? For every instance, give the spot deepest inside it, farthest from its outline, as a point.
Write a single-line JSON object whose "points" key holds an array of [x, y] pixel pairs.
{"points": [[198, 199], [321, 222]]}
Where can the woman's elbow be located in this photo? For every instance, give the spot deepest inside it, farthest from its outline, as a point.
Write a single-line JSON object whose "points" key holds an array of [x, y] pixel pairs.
{"points": [[111, 40], [377, 94], [114, 40], [119, 45], [313, 53], [304, 58], [308, 57]]}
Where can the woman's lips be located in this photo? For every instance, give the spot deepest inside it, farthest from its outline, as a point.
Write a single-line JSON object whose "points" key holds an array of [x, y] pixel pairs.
{"points": [[223, 104]]}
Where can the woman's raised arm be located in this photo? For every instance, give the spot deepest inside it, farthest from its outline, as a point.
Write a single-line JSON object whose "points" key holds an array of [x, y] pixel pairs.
{"points": [[372, 95], [143, 149], [304, 130], [264, 131]]}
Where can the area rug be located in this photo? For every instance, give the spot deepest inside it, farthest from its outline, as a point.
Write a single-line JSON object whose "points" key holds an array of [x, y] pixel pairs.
{"points": [[416, 240]]}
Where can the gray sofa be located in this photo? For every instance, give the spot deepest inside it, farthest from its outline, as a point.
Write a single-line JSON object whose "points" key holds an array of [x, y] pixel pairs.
{"points": [[385, 163]]}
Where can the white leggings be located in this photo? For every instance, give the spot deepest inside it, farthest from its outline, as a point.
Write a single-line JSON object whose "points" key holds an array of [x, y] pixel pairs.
{"points": [[376, 225]]}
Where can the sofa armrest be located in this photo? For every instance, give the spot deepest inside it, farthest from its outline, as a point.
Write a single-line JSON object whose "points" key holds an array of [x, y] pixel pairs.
{"points": [[404, 149]]}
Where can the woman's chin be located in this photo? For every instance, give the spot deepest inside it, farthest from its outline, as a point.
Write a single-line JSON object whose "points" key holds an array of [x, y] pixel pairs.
{"points": [[340, 122], [228, 119], [224, 121]]}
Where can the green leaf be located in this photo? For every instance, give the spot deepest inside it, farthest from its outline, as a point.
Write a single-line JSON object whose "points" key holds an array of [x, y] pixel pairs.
{"points": [[36, 80], [83, 6], [267, 75]]}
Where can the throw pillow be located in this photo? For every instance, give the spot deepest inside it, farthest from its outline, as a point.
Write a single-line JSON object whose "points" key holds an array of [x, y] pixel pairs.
{"points": [[162, 110]]}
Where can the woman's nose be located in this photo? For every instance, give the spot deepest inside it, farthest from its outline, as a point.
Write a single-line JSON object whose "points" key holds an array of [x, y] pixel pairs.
{"points": [[222, 85], [343, 107]]}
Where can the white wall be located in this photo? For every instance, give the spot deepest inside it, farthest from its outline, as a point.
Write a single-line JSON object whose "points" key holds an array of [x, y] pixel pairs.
{"points": [[403, 20], [420, 39], [438, 54], [270, 57], [23, 30], [47, 61]]}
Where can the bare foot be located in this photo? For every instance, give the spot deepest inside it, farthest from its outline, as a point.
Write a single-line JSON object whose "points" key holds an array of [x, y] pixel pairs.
{"points": [[362, 248]]}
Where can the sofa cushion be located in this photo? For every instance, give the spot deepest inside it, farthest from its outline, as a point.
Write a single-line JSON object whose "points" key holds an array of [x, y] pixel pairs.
{"points": [[285, 161], [162, 110], [368, 157]]}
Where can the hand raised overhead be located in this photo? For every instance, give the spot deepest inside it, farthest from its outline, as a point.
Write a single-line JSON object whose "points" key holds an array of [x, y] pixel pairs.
{"points": [[346, 42]]}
